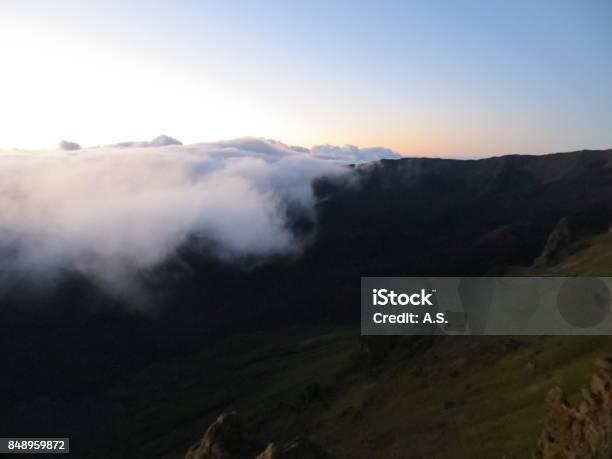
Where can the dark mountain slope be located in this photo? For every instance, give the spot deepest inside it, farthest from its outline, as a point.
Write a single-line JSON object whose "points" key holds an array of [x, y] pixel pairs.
{"points": [[403, 217], [478, 397], [427, 215]]}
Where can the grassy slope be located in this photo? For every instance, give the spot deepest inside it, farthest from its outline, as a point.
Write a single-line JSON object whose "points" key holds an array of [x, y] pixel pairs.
{"points": [[475, 397]]}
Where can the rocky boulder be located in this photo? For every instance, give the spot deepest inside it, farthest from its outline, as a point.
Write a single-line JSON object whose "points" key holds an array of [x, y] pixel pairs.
{"points": [[559, 240], [300, 448], [583, 431], [226, 438]]}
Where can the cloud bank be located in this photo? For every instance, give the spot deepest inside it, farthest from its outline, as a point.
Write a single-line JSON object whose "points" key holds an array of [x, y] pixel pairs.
{"points": [[159, 141], [110, 212]]}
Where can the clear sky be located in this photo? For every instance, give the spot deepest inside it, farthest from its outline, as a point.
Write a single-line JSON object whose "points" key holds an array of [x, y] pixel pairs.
{"points": [[444, 78]]}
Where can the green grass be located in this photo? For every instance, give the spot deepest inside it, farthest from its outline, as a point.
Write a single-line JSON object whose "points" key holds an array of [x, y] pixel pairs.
{"points": [[472, 398], [493, 408]]}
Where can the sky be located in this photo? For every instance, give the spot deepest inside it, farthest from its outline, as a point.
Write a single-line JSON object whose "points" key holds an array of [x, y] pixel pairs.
{"points": [[426, 78]]}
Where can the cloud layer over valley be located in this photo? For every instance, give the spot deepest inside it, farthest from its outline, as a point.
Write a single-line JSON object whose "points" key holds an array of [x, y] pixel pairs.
{"points": [[109, 212]]}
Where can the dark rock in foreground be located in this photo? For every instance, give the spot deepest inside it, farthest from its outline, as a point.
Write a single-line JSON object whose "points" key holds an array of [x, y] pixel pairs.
{"points": [[301, 448], [226, 438], [583, 431]]}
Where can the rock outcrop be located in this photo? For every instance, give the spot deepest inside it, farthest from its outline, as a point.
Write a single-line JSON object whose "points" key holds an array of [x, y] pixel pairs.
{"points": [[559, 240], [300, 448], [226, 438], [583, 431]]}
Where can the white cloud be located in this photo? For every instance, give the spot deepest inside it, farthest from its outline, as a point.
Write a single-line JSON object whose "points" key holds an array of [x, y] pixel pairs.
{"points": [[159, 141], [352, 153], [109, 213]]}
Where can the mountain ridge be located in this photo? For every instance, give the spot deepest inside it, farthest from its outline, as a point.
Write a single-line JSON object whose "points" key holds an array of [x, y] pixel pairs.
{"points": [[406, 217]]}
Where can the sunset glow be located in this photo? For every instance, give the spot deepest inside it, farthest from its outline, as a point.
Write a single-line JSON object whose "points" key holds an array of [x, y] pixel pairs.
{"points": [[439, 79]]}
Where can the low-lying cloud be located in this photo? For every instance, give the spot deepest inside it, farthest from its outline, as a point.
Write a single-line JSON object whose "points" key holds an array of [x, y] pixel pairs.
{"points": [[109, 212], [159, 141]]}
